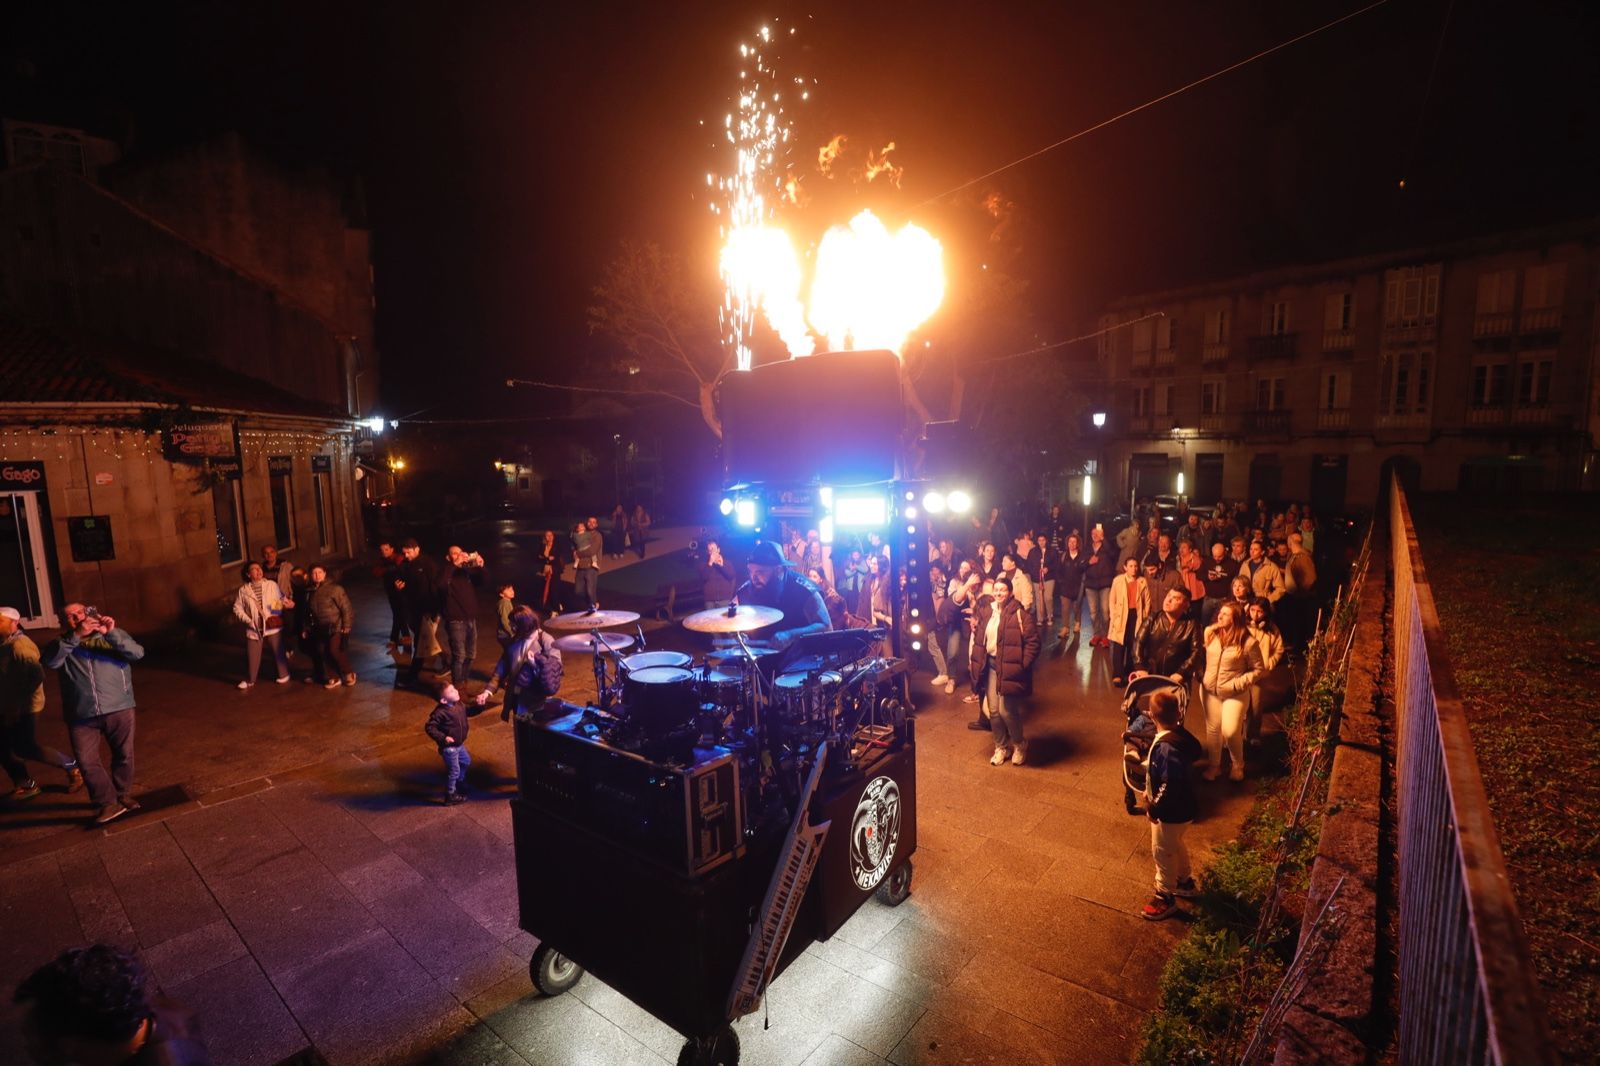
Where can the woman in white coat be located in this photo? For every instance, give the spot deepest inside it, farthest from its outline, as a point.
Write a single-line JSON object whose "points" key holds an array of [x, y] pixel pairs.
{"points": [[260, 604], [1130, 605], [1233, 663]]}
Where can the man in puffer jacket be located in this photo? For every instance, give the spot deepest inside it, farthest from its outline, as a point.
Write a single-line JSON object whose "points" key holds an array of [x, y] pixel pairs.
{"points": [[332, 618], [96, 663]]}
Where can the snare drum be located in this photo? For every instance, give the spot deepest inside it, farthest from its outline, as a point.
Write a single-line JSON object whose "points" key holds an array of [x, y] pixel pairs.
{"points": [[644, 660], [799, 701], [659, 699]]}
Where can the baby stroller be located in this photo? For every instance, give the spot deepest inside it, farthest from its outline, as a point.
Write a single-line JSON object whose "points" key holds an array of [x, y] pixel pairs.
{"points": [[1141, 731]]}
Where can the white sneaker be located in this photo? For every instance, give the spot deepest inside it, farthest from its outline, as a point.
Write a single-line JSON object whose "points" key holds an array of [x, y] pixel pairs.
{"points": [[949, 687], [244, 685], [284, 680], [941, 679], [999, 758], [1016, 755]]}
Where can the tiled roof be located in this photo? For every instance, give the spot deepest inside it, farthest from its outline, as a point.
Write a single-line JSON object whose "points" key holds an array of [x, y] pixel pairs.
{"points": [[49, 364]]}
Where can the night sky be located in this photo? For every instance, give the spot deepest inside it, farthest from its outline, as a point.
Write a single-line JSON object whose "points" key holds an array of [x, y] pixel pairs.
{"points": [[507, 149]]}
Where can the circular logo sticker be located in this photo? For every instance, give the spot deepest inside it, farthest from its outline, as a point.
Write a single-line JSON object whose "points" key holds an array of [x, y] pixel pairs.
{"points": [[875, 833]]}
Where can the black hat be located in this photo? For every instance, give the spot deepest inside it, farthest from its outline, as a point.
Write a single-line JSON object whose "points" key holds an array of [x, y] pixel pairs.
{"points": [[765, 553]]}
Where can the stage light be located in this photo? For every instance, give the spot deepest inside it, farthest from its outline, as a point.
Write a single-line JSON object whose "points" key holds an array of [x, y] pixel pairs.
{"points": [[910, 512], [744, 513], [916, 627], [1099, 418], [861, 512], [375, 423], [910, 495], [911, 529], [916, 645], [933, 502], [959, 502], [726, 506], [915, 612]]}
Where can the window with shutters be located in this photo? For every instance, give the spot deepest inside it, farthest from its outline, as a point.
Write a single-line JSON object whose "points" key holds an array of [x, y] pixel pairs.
{"points": [[1141, 401], [1163, 398], [1165, 332], [1275, 318], [1269, 394], [1335, 394], [1497, 292], [1491, 380], [1545, 286], [1533, 382], [1142, 334], [1408, 383], [1217, 326], [1411, 296], [1211, 396], [1339, 312]]}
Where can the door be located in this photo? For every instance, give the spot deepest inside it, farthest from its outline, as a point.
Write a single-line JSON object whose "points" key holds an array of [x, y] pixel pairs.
{"points": [[24, 570], [1329, 473], [1207, 478], [1266, 477]]}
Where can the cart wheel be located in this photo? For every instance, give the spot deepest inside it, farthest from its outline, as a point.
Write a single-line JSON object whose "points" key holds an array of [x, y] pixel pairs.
{"points": [[552, 972], [719, 1050], [897, 887], [1129, 801]]}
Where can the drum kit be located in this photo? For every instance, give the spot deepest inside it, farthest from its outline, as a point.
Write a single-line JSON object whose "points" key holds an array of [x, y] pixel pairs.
{"points": [[666, 697]]}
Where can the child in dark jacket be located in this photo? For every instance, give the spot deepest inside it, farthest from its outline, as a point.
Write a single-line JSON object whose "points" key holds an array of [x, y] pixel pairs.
{"points": [[1170, 803], [447, 727]]}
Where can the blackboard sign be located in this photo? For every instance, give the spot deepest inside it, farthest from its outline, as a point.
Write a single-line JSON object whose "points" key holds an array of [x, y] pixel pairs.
{"points": [[280, 464], [195, 442], [322, 464], [91, 538], [231, 469]]}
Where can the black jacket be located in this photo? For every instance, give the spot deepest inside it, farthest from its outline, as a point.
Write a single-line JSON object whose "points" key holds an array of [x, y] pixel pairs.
{"points": [[1171, 778], [447, 720], [1100, 575], [1070, 572], [458, 592], [1166, 647], [421, 593]]}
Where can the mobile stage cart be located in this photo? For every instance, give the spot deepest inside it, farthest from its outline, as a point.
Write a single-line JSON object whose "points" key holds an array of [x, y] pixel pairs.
{"points": [[687, 876]]}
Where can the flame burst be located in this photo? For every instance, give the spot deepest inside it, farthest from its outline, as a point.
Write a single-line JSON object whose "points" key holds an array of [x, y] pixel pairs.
{"points": [[759, 268], [873, 288], [870, 289]]}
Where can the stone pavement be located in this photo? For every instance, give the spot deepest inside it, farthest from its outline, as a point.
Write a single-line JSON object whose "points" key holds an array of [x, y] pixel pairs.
{"points": [[305, 891]]}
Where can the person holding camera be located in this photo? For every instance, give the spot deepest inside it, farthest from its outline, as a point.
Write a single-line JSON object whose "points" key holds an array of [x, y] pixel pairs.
{"points": [[96, 662], [716, 577], [459, 581]]}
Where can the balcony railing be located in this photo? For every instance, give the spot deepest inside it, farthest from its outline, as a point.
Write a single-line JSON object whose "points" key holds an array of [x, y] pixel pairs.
{"points": [[1411, 420], [1338, 340], [1219, 422], [1272, 346], [1540, 320], [1497, 324], [1166, 356], [1532, 413], [1141, 357], [1214, 352], [1333, 418], [1139, 424], [1487, 416], [1267, 422]]}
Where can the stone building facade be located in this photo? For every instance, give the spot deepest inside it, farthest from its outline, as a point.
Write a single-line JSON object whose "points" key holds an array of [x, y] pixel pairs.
{"points": [[1470, 365], [167, 408]]}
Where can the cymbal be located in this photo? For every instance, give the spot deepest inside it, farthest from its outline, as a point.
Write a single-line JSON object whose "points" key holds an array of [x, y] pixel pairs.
{"points": [[747, 616], [585, 642], [590, 619]]}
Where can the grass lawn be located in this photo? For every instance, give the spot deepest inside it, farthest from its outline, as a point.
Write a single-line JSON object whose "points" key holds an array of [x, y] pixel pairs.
{"points": [[1518, 591]]}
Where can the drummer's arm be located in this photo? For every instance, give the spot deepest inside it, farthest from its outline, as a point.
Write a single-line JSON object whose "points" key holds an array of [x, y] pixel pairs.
{"points": [[816, 621]]}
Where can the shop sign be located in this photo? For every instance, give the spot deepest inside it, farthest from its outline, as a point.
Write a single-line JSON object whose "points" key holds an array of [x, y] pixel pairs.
{"points": [[20, 476], [196, 442], [91, 540]]}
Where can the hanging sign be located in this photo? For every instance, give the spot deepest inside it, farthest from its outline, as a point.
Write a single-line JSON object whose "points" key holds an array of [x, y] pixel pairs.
{"points": [[196, 442]]}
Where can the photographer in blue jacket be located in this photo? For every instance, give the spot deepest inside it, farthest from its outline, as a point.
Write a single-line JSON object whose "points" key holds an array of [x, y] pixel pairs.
{"points": [[96, 663]]}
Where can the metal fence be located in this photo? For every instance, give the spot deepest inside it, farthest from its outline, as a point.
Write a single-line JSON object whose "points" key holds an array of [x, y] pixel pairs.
{"points": [[1467, 988]]}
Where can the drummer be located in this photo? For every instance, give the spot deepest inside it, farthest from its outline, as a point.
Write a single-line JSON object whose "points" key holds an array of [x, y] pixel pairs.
{"points": [[772, 584]]}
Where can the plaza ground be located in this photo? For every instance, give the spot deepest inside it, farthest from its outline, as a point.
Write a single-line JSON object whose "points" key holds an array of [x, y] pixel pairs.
{"points": [[294, 879]]}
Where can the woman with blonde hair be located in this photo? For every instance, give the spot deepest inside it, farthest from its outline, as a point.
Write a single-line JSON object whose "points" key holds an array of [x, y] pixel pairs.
{"points": [[1233, 663]]}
